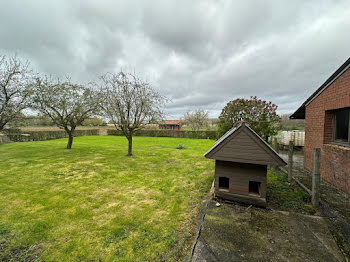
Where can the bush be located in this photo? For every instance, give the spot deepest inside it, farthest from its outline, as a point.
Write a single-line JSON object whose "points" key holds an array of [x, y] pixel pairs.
{"points": [[20, 136], [11, 131], [209, 134], [261, 116]]}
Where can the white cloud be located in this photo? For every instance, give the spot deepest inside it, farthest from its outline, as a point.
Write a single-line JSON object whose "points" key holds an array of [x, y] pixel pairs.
{"points": [[200, 53]]}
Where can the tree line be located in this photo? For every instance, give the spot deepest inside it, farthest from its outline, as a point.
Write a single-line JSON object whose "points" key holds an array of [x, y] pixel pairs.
{"points": [[129, 103]]}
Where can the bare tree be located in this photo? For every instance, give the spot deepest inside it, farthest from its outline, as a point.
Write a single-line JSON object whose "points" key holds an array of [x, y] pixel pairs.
{"points": [[15, 83], [67, 104], [130, 103], [196, 120]]}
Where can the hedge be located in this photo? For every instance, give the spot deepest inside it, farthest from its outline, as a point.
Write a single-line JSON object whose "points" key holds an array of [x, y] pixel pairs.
{"points": [[47, 135], [4, 139], [23, 136], [210, 134]]}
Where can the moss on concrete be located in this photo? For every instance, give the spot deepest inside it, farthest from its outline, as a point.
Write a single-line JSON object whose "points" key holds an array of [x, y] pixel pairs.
{"points": [[238, 233]]}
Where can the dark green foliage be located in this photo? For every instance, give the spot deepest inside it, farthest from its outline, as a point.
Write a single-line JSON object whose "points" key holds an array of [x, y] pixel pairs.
{"points": [[16, 135], [8, 131], [20, 136], [261, 116], [169, 133]]}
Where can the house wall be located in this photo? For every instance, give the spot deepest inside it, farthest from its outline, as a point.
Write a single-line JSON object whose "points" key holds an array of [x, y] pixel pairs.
{"points": [[318, 133], [240, 174], [176, 127], [336, 166]]}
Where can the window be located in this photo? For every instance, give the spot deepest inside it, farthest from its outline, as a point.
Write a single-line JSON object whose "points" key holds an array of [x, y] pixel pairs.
{"points": [[254, 187], [341, 125], [224, 183]]}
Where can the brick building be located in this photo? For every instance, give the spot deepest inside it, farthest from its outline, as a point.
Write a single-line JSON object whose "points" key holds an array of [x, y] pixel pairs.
{"points": [[170, 124], [327, 116]]}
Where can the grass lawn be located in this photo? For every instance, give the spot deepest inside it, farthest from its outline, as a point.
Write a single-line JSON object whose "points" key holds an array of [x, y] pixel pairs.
{"points": [[285, 196], [93, 203]]}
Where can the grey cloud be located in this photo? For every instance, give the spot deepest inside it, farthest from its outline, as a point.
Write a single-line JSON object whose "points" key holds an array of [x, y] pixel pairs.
{"points": [[200, 53]]}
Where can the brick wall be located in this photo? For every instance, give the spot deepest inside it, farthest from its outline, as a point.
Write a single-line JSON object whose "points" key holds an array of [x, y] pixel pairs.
{"points": [[336, 166], [318, 132], [328, 127]]}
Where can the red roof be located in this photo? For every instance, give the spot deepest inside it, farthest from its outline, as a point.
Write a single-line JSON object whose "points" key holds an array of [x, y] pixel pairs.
{"points": [[170, 122]]}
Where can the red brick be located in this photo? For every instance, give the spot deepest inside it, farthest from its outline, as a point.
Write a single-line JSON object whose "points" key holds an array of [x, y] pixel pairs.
{"points": [[335, 160]]}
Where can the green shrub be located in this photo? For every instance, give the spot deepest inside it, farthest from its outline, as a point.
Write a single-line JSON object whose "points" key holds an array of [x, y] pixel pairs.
{"points": [[20, 136], [209, 134], [11, 131]]}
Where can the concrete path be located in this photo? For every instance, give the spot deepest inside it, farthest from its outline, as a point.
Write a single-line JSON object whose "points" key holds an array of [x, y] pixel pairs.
{"points": [[335, 204], [335, 207], [238, 233]]}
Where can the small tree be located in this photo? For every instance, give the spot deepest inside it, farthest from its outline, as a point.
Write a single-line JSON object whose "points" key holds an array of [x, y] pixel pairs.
{"points": [[261, 116], [196, 120], [15, 88], [67, 104], [130, 103]]}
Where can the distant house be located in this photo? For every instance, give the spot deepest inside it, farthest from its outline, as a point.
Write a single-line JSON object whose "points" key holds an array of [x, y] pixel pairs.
{"points": [[327, 116], [170, 124], [241, 160]]}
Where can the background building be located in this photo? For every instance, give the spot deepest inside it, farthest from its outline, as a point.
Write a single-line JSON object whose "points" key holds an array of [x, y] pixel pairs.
{"points": [[170, 124]]}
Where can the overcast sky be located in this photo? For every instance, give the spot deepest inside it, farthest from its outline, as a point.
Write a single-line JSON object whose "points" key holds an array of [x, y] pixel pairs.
{"points": [[201, 54]]}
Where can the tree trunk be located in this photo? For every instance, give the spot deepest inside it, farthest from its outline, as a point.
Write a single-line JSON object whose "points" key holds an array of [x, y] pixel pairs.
{"points": [[130, 146], [70, 140], [70, 136]]}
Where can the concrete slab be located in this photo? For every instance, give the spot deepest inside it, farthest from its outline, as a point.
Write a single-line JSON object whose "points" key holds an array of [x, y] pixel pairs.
{"points": [[335, 207], [238, 233]]}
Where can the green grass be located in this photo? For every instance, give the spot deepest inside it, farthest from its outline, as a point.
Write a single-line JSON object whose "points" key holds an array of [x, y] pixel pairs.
{"points": [[286, 196], [93, 203]]}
